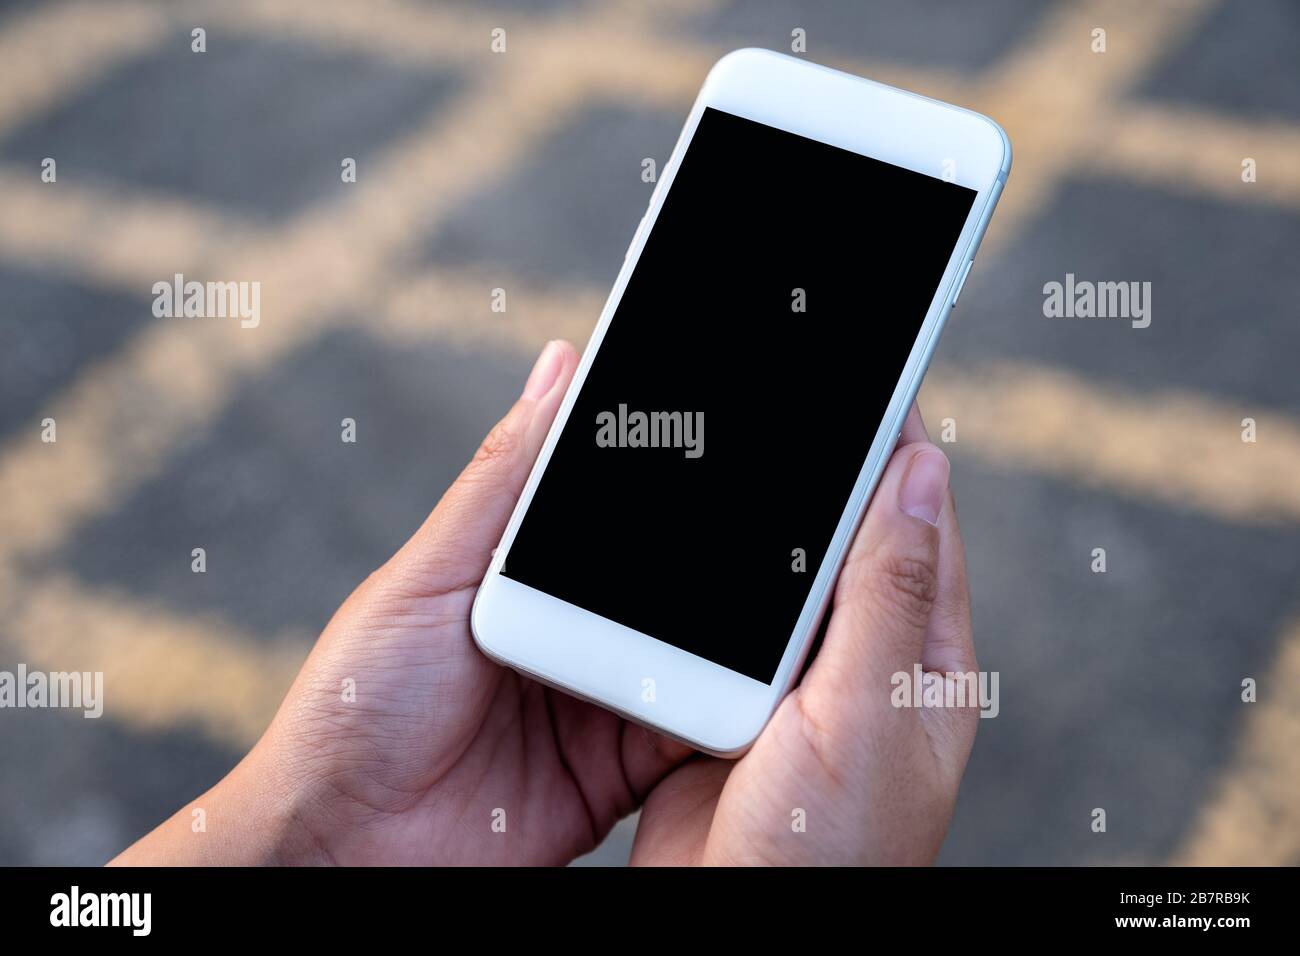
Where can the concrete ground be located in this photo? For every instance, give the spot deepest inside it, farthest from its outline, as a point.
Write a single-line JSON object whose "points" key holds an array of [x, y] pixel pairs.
{"points": [[521, 171]]}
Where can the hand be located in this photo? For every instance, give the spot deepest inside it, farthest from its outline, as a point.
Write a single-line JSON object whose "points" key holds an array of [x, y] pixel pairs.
{"points": [[442, 757], [839, 775], [439, 743]]}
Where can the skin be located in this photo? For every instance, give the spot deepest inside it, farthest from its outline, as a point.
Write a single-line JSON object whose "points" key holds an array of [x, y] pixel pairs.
{"points": [[439, 738]]}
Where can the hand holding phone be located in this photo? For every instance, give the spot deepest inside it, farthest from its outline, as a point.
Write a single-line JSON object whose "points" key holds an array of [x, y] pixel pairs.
{"points": [[439, 756], [839, 776], [678, 540]]}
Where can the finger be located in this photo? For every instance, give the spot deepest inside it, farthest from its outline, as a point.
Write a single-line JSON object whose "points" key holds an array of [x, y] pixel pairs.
{"points": [[949, 645], [648, 757], [453, 547], [591, 734], [886, 592], [949, 650], [678, 814], [614, 762]]}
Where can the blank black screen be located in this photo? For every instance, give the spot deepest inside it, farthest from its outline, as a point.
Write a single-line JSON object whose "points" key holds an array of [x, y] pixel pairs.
{"points": [[699, 551]]}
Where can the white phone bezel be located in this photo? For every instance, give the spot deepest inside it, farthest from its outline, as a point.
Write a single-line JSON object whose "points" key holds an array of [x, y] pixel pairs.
{"points": [[703, 704]]}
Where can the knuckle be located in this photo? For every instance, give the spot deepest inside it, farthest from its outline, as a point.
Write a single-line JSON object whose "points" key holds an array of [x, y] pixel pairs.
{"points": [[499, 444], [952, 638], [907, 584]]}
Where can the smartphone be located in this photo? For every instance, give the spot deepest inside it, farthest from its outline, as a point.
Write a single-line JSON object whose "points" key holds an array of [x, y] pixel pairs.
{"points": [[677, 543]]}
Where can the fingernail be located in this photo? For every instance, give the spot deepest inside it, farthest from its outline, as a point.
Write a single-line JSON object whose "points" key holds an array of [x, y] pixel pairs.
{"points": [[545, 372], [924, 486]]}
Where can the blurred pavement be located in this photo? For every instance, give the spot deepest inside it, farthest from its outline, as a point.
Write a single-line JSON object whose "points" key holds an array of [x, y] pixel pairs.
{"points": [[522, 171]]}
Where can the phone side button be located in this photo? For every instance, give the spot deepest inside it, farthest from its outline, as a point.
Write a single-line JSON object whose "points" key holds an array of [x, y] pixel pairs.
{"points": [[961, 280]]}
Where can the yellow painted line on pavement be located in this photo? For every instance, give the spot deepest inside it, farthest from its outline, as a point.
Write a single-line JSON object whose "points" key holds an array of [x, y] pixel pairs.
{"points": [[1053, 92], [394, 30], [1253, 817], [162, 670], [1190, 152], [124, 242], [1179, 449], [58, 49], [123, 417]]}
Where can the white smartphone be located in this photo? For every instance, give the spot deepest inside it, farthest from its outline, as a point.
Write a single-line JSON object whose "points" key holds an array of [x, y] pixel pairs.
{"points": [[802, 248]]}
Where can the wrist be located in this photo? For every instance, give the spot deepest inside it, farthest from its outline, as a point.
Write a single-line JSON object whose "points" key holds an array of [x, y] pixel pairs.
{"points": [[252, 817]]}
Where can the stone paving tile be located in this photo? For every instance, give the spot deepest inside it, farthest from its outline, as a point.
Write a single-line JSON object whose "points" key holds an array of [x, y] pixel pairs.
{"points": [[254, 126], [51, 328], [939, 33], [1120, 689], [569, 210], [1241, 63], [88, 788], [16, 8], [1223, 293], [530, 7]]}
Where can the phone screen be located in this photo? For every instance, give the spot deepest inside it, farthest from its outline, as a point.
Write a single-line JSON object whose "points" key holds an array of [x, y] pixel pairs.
{"points": [[713, 447]]}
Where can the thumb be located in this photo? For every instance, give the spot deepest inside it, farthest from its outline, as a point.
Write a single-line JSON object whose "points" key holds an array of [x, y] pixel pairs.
{"points": [[886, 590], [453, 547]]}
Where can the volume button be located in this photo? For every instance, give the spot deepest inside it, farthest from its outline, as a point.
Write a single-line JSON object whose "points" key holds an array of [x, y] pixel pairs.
{"points": [[961, 281]]}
